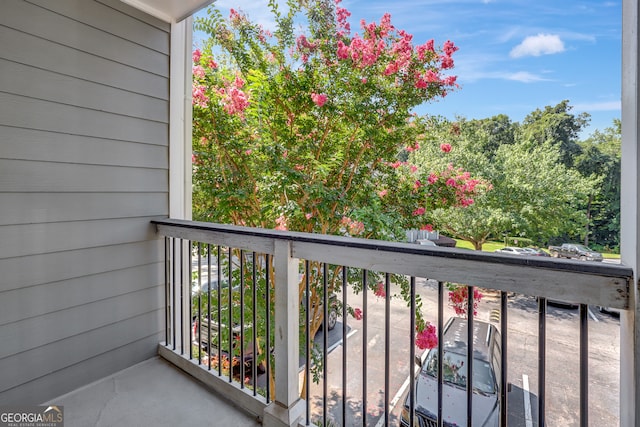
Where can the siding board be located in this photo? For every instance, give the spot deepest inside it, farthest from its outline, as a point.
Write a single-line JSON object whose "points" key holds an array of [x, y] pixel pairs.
{"points": [[31, 208], [31, 144], [32, 113], [47, 358], [82, 373], [34, 20], [26, 176], [41, 269], [25, 303], [20, 79], [35, 332], [36, 52], [23, 240], [111, 21]]}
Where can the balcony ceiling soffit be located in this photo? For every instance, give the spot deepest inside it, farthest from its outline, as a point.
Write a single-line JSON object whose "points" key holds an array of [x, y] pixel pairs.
{"points": [[169, 10]]}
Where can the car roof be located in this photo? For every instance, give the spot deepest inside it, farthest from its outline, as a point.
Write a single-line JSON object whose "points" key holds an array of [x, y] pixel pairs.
{"points": [[455, 337]]}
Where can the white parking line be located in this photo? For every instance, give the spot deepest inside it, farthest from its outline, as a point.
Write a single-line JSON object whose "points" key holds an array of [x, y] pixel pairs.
{"points": [[397, 397], [527, 401], [400, 392], [339, 342], [593, 316]]}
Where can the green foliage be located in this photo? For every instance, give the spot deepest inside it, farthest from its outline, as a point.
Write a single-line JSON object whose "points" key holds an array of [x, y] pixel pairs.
{"points": [[533, 194]]}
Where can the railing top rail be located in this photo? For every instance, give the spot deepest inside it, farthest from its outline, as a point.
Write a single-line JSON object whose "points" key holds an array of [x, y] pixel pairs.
{"points": [[587, 282]]}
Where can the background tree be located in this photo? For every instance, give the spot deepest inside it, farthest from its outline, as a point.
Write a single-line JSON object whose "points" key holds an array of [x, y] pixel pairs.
{"points": [[533, 193], [600, 158]]}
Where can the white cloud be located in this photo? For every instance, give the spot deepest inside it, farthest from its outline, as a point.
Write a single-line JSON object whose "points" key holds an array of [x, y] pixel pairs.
{"points": [[524, 77], [542, 44]]}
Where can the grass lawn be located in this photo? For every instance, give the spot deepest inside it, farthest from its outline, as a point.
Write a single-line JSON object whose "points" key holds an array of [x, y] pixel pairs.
{"points": [[492, 246]]}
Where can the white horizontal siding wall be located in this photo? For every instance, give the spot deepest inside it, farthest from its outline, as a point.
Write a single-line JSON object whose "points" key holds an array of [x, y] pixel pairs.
{"points": [[84, 131]]}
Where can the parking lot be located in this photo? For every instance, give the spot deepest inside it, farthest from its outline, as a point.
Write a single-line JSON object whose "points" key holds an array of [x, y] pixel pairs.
{"points": [[562, 373]]}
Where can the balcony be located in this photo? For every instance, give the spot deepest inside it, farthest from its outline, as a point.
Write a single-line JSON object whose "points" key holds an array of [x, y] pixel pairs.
{"points": [[361, 383]]}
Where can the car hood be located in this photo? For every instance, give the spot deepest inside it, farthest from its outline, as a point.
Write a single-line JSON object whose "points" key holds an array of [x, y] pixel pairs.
{"points": [[454, 400]]}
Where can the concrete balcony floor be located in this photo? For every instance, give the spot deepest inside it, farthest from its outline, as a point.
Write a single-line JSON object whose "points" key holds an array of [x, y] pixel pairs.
{"points": [[151, 393]]}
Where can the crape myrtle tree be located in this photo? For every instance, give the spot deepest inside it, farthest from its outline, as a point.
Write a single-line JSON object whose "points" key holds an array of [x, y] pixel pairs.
{"points": [[301, 129]]}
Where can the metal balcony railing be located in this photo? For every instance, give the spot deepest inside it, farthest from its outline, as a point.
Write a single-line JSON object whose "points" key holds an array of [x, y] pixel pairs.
{"points": [[236, 297]]}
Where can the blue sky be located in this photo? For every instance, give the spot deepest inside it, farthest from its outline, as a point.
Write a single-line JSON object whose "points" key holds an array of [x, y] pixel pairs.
{"points": [[515, 56]]}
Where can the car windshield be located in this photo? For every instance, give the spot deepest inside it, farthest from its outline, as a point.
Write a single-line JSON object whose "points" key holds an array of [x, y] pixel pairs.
{"points": [[455, 371], [583, 248]]}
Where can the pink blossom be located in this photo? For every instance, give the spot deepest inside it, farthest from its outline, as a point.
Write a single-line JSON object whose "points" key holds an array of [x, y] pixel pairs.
{"points": [[382, 193], [417, 184], [248, 152], [451, 182], [343, 50], [196, 55], [299, 167], [433, 178], [319, 99], [427, 227], [459, 301], [357, 314], [419, 211], [198, 96], [308, 216], [380, 292], [212, 64], [198, 71], [364, 80], [281, 223], [413, 168], [285, 154], [427, 338], [445, 147]]}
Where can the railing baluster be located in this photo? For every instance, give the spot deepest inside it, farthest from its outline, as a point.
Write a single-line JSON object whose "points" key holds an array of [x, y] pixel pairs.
{"points": [[365, 281], [197, 339], [167, 289], [182, 335], [387, 345], [503, 360], [174, 286], [542, 358], [584, 366], [254, 308], [209, 306], [470, 310], [440, 351], [230, 314], [242, 288], [412, 351], [345, 273], [267, 323], [219, 309], [325, 342], [307, 319]]}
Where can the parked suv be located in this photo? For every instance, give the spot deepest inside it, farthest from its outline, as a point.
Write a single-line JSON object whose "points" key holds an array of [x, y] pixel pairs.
{"points": [[486, 378]]}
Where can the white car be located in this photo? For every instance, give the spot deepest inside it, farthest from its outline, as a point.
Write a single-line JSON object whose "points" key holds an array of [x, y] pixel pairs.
{"points": [[512, 250]]}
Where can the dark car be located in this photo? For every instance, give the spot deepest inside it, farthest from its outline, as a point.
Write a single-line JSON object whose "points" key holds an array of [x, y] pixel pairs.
{"points": [[536, 252], [486, 378]]}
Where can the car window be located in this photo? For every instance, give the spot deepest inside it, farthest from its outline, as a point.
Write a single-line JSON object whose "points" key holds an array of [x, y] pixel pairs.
{"points": [[455, 371]]}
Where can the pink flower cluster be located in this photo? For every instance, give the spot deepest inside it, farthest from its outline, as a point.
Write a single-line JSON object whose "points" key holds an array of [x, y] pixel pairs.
{"points": [[319, 99], [357, 314], [351, 226], [281, 223], [380, 292], [458, 299], [234, 100], [427, 338]]}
